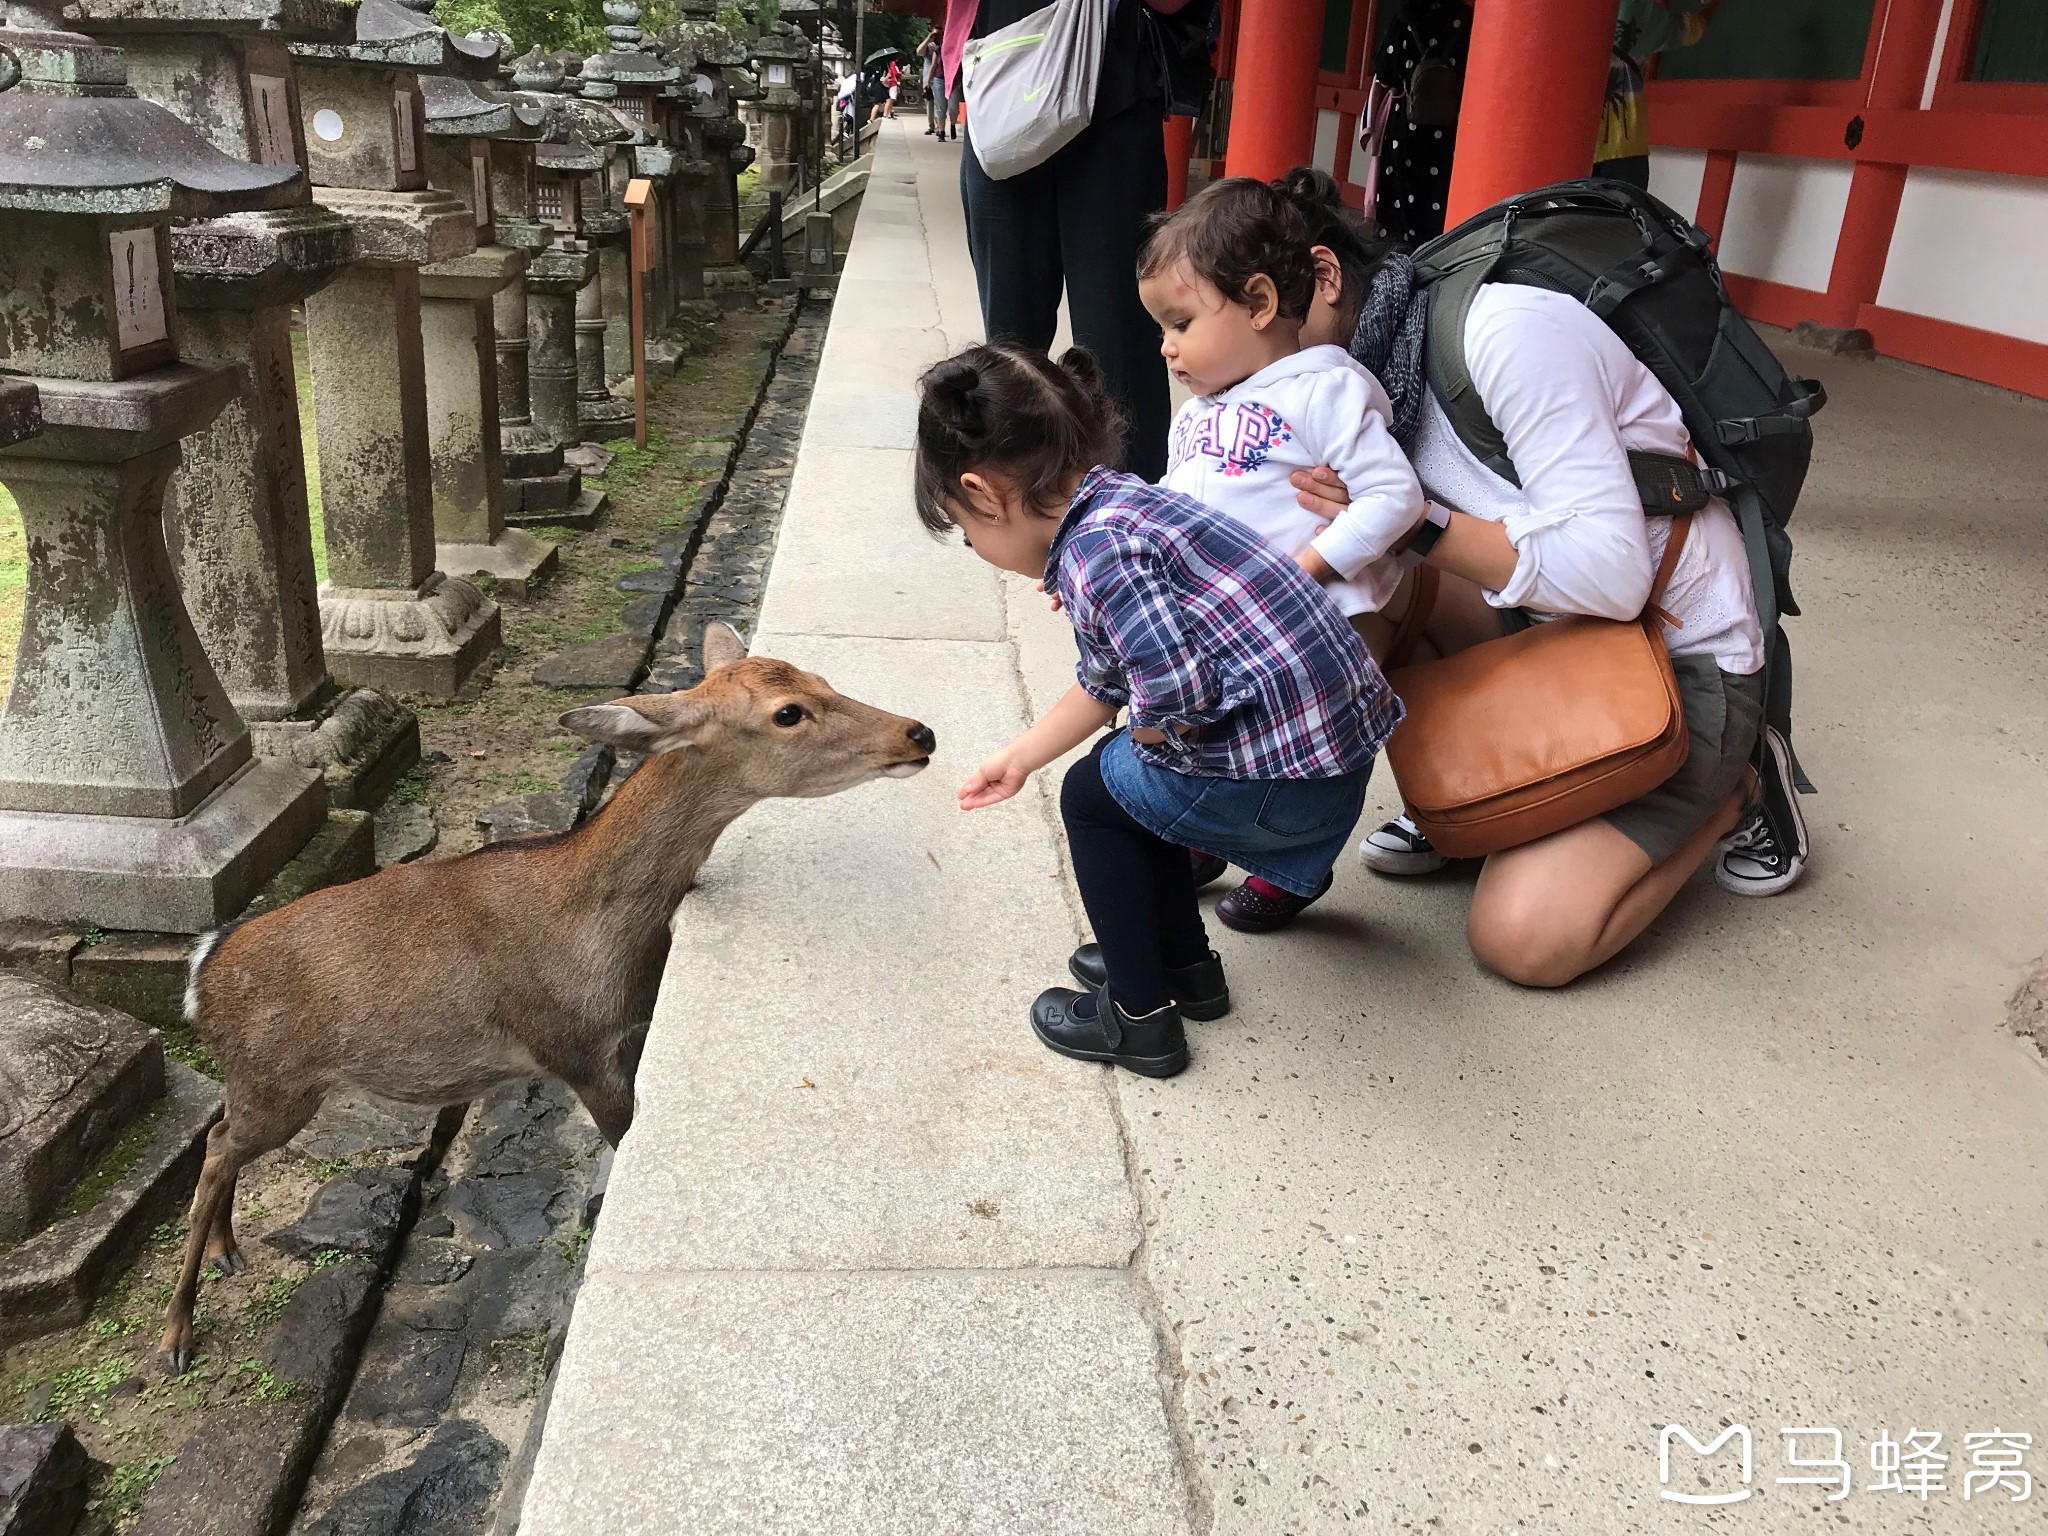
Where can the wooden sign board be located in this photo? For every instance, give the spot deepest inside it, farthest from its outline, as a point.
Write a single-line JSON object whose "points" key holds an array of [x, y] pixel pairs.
{"points": [[640, 209]]}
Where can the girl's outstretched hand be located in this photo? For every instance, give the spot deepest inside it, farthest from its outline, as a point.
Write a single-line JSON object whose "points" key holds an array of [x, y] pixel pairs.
{"points": [[1052, 599], [995, 779]]}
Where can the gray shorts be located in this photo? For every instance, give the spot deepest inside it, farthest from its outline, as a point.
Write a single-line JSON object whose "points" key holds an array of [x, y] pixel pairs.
{"points": [[1722, 714]]}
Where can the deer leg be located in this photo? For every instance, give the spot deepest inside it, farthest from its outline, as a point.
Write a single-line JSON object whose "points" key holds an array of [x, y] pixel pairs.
{"points": [[222, 1251], [609, 1098], [242, 1135]]}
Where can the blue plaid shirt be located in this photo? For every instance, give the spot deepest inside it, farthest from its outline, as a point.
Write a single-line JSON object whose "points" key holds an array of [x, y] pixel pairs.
{"points": [[1187, 617]]}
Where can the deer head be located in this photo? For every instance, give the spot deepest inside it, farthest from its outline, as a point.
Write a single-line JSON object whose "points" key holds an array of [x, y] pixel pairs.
{"points": [[775, 730]]}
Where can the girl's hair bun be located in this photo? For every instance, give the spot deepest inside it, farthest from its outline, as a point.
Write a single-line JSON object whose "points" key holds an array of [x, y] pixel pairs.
{"points": [[1315, 188], [953, 388], [1079, 364]]}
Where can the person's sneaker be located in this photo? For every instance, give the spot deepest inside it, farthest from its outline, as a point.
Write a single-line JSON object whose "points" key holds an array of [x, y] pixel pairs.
{"points": [[1199, 989], [1399, 848], [1251, 910], [1209, 867], [1089, 1027], [1767, 853]]}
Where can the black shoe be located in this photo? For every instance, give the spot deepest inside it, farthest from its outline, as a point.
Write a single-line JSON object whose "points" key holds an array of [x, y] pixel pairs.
{"points": [[1153, 1046], [1199, 989], [1208, 867], [1248, 911]]}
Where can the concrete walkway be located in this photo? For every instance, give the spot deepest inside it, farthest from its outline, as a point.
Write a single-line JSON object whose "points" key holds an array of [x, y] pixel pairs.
{"points": [[1407, 1248]]}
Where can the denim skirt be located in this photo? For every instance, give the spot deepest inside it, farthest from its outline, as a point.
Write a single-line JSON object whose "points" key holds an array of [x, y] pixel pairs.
{"points": [[1288, 831]]}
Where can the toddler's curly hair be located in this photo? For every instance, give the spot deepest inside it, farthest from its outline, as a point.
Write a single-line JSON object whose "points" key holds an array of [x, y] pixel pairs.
{"points": [[1230, 232]]}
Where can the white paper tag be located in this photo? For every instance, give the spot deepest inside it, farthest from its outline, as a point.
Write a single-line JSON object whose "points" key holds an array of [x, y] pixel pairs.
{"points": [[270, 107], [407, 145], [138, 289]]}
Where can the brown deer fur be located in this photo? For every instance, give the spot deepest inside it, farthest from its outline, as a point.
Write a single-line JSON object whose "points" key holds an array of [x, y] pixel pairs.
{"points": [[432, 983]]}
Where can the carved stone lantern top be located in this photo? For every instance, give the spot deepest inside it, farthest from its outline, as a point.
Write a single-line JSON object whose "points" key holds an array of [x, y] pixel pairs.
{"points": [[393, 36], [75, 140]]}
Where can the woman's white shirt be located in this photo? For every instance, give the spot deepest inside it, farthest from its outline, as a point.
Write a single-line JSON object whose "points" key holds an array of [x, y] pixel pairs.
{"points": [[1571, 400]]}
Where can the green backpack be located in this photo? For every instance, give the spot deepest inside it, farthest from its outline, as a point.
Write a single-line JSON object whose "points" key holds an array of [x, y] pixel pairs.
{"points": [[1649, 275]]}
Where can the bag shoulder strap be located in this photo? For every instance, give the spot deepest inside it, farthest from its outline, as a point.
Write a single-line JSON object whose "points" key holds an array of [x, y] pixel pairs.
{"points": [[1653, 613]]}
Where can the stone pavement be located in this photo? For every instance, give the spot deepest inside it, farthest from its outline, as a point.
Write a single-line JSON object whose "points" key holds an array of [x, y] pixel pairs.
{"points": [[1407, 1247]]}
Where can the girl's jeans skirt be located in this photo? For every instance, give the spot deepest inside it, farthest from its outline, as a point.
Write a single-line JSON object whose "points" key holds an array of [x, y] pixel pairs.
{"points": [[1129, 826]]}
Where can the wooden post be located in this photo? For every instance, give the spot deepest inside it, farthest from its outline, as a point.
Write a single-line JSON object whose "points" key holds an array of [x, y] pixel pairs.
{"points": [[640, 210], [1531, 109]]}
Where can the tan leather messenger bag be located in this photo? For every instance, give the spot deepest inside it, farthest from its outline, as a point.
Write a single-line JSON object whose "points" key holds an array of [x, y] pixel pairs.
{"points": [[1520, 737]]}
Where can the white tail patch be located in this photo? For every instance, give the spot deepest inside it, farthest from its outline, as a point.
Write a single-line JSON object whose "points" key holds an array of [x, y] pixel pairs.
{"points": [[200, 951]]}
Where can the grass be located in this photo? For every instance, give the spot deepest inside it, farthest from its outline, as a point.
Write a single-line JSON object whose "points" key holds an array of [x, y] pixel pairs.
{"points": [[114, 1165]]}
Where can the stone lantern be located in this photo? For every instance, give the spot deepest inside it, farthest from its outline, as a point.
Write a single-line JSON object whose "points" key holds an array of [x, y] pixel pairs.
{"points": [[129, 794], [682, 228], [724, 136], [236, 514], [605, 229], [464, 128], [629, 80], [565, 172], [390, 618], [778, 57]]}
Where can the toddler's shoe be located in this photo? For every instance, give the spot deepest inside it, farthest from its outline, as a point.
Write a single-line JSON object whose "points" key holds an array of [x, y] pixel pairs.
{"points": [[1208, 867], [1250, 909], [1199, 989], [1399, 848], [1089, 1027]]}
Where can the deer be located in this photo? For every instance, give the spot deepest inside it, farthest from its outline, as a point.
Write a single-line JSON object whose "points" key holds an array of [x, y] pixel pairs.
{"points": [[432, 983]]}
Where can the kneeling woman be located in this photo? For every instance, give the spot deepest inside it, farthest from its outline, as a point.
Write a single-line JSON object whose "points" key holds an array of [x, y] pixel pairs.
{"points": [[1255, 711], [1571, 400]]}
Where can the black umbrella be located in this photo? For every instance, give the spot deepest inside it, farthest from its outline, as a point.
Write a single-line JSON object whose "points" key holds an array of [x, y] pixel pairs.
{"points": [[883, 53]]}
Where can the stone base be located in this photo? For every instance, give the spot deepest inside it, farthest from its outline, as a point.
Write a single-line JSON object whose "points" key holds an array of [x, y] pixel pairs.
{"points": [[605, 419], [535, 494], [1842, 340], [361, 743], [515, 557], [526, 463], [78, 1076], [729, 287], [583, 513], [50, 1280], [430, 641], [170, 876]]}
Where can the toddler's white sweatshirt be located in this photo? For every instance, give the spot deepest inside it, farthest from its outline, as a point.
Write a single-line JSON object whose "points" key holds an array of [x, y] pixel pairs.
{"points": [[1236, 450]]}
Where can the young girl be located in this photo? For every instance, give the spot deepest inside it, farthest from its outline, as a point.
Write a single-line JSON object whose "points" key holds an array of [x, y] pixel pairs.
{"points": [[1255, 711], [1230, 279]]}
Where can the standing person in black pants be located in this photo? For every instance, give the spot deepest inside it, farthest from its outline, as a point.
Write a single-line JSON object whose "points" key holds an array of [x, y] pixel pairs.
{"points": [[1077, 222]]}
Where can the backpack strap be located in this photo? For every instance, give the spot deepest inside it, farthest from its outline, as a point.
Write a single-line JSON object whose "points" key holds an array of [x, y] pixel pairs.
{"points": [[1674, 545], [1450, 377]]}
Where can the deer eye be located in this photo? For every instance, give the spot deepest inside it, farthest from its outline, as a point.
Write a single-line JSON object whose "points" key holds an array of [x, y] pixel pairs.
{"points": [[791, 714]]}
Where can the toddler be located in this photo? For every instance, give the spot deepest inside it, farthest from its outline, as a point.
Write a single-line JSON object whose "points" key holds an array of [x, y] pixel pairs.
{"points": [[1255, 711], [1229, 278]]}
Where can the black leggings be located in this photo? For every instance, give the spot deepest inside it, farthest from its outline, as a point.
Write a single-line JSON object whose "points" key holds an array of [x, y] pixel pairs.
{"points": [[1139, 890]]}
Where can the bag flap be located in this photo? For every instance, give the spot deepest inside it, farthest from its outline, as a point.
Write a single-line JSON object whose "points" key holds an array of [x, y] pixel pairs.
{"points": [[1512, 712]]}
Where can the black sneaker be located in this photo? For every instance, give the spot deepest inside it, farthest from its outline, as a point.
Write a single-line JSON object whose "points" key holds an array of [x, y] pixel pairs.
{"points": [[1399, 848], [1199, 989], [1089, 1027], [1208, 867], [1250, 911], [1767, 853]]}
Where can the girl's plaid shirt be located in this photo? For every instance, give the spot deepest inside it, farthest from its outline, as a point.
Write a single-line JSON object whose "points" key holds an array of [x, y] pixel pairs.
{"points": [[1187, 617]]}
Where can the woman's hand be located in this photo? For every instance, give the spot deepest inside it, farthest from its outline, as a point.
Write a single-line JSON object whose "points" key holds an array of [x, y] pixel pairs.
{"points": [[1320, 491], [995, 779]]}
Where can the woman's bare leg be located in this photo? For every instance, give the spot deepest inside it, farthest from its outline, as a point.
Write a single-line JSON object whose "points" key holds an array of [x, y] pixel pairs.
{"points": [[1548, 912]]}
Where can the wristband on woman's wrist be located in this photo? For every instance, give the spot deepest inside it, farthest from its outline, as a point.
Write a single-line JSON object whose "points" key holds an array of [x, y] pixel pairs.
{"points": [[1435, 520]]}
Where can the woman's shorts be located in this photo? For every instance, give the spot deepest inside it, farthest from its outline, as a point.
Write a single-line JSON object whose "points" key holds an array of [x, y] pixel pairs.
{"points": [[1722, 715], [1288, 831]]}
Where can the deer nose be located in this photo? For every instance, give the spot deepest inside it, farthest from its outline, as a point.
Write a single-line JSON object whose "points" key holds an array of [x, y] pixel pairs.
{"points": [[921, 737]]}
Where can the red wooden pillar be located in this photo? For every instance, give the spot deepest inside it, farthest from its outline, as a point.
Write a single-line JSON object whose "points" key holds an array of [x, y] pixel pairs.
{"points": [[1533, 87], [1872, 210], [1273, 94], [1180, 145]]}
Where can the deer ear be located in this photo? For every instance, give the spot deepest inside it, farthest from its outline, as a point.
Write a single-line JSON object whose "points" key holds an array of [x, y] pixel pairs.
{"points": [[722, 646], [625, 726]]}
